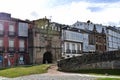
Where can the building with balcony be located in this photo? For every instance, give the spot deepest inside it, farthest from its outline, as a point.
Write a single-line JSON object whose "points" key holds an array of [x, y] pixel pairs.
{"points": [[94, 36], [43, 41], [13, 41], [72, 42]]}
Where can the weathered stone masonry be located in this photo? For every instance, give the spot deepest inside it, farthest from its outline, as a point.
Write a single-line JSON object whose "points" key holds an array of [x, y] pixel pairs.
{"points": [[109, 60]]}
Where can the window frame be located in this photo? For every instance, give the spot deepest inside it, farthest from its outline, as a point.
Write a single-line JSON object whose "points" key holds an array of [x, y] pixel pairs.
{"points": [[11, 29], [23, 44], [1, 27], [9, 45], [2, 42]]}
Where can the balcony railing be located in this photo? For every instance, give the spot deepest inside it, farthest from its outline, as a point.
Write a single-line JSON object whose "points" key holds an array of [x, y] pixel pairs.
{"points": [[68, 51], [73, 51], [11, 33], [11, 49], [22, 49], [79, 51]]}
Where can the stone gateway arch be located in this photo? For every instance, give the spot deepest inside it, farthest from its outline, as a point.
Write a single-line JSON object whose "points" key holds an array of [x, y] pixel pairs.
{"points": [[47, 57]]}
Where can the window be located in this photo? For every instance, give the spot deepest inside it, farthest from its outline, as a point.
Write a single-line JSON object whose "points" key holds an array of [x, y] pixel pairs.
{"points": [[68, 47], [74, 36], [73, 46], [1, 43], [21, 59], [11, 28], [1, 27], [11, 43], [21, 44], [73, 49], [110, 44], [23, 29], [79, 47], [86, 27], [91, 39]]}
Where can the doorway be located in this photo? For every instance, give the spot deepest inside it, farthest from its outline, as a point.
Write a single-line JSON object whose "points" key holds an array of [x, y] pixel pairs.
{"points": [[47, 57]]}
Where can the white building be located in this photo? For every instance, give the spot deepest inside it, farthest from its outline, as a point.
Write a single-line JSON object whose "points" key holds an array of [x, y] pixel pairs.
{"points": [[88, 26], [72, 42]]}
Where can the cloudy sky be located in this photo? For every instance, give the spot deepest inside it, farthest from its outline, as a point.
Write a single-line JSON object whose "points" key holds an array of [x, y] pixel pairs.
{"points": [[106, 12]]}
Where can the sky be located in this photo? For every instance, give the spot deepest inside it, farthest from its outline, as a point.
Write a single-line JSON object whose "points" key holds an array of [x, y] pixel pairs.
{"points": [[106, 12]]}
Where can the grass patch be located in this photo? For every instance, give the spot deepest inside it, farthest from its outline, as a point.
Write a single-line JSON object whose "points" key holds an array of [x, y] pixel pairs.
{"points": [[99, 71], [108, 79], [24, 70]]}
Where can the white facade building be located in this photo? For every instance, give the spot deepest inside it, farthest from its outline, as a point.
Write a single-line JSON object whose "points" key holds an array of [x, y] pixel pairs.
{"points": [[88, 26], [72, 43]]}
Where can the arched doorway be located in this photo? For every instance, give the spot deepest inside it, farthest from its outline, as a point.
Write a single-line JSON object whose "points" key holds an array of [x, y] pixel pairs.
{"points": [[47, 57]]}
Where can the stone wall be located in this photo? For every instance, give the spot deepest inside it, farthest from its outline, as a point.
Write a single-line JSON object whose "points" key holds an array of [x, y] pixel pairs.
{"points": [[109, 60], [43, 38]]}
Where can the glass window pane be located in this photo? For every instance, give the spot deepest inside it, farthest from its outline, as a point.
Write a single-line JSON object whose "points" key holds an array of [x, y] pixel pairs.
{"points": [[68, 47], [1, 27], [110, 44], [74, 36], [21, 43], [1, 43], [11, 28], [73, 46], [79, 47], [11, 43]]}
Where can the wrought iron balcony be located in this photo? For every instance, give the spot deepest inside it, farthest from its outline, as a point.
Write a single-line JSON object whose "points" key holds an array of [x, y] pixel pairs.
{"points": [[11, 49], [79, 51], [22, 50], [68, 51], [73, 51]]}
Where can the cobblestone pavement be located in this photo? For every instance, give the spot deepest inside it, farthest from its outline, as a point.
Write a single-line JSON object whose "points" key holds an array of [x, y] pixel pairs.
{"points": [[53, 74]]}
